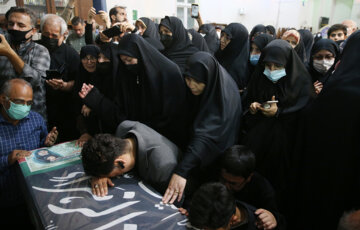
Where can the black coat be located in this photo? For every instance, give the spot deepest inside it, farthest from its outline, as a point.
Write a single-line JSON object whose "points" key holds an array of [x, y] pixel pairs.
{"points": [[328, 153]]}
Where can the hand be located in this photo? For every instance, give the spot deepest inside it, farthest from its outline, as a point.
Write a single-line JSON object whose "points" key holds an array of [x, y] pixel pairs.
{"points": [[83, 139], [17, 155], [125, 26], [266, 219], [254, 107], [91, 15], [5, 48], [183, 211], [57, 84], [175, 189], [99, 186], [85, 90], [270, 112], [318, 87], [51, 137], [104, 38], [105, 18], [85, 111]]}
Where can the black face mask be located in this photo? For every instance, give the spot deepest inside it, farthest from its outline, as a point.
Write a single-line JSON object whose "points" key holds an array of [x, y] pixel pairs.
{"points": [[50, 43], [18, 36], [134, 68], [104, 67], [166, 40]]}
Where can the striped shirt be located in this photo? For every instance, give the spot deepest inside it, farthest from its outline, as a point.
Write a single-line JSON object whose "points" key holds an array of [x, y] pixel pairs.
{"points": [[36, 60], [30, 133]]}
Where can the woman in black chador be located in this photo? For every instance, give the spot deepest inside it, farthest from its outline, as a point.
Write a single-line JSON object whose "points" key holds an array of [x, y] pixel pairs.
{"points": [[149, 89], [328, 151], [149, 31], [210, 37], [324, 55], [175, 38], [269, 126], [233, 54], [197, 40], [216, 119]]}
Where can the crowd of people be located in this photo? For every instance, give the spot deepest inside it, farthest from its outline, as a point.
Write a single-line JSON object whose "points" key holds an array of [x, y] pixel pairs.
{"points": [[239, 130]]}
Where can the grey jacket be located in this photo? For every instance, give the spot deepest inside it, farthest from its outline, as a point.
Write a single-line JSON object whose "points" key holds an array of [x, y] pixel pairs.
{"points": [[156, 156]]}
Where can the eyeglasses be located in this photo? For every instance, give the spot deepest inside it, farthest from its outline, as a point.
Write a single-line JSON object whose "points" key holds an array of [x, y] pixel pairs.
{"points": [[91, 59], [20, 101]]}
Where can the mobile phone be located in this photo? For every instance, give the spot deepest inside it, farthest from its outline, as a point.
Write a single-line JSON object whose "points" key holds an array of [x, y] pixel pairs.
{"points": [[194, 10], [53, 73], [99, 5], [267, 105], [112, 32]]}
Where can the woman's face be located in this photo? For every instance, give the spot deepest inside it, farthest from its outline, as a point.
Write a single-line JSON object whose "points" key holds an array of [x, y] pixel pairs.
{"points": [[254, 49], [196, 87], [140, 27], [273, 66], [164, 30], [224, 40], [292, 41], [89, 63], [102, 58], [127, 60], [324, 54]]}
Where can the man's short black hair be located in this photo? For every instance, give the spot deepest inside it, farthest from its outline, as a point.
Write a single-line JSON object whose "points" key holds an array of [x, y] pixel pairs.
{"points": [[238, 160], [212, 206], [76, 20], [114, 11], [26, 11], [100, 152], [336, 27]]}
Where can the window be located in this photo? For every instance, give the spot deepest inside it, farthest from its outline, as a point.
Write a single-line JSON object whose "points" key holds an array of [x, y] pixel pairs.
{"points": [[184, 13]]}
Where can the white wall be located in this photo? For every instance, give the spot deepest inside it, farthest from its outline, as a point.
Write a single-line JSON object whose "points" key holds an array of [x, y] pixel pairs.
{"points": [[279, 13]]}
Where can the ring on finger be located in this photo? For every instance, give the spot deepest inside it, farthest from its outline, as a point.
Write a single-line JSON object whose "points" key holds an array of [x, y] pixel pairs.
{"points": [[96, 186]]}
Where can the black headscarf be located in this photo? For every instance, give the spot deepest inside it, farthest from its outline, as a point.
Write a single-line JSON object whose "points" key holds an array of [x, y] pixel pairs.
{"points": [[85, 76], [198, 41], [289, 90], [271, 29], [211, 37], [155, 95], [151, 33], [328, 155], [258, 29], [262, 40], [234, 58], [323, 44], [308, 41], [216, 124], [181, 48]]}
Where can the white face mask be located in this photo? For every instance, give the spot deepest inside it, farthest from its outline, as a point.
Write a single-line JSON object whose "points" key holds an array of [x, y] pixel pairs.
{"points": [[322, 66]]}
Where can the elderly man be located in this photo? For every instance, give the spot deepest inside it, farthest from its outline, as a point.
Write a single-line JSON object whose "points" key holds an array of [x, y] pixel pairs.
{"points": [[20, 57], [350, 25], [65, 62], [20, 130]]}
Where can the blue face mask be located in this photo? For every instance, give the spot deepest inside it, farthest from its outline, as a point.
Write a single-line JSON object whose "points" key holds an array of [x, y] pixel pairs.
{"points": [[254, 59], [18, 112], [275, 75]]}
